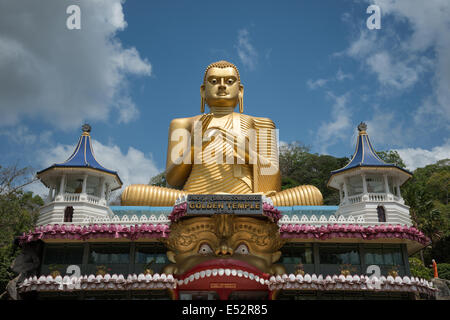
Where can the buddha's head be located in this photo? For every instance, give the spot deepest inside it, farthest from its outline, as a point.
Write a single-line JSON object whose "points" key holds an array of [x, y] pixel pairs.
{"points": [[224, 241], [222, 86]]}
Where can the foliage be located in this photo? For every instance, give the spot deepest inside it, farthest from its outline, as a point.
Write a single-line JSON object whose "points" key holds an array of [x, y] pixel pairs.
{"points": [[159, 180], [392, 157], [300, 167], [18, 213], [443, 270], [419, 270], [427, 195]]}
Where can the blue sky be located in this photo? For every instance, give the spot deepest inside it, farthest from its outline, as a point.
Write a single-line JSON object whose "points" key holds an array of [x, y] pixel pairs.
{"points": [[313, 67]]}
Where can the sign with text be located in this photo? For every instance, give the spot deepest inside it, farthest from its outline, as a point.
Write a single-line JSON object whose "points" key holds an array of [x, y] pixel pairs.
{"points": [[224, 203]]}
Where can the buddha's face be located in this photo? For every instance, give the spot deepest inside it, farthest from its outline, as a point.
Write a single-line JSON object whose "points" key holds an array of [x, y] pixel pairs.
{"points": [[222, 87], [224, 241]]}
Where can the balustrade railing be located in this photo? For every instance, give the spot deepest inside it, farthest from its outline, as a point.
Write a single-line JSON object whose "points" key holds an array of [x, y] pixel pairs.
{"points": [[71, 197], [373, 197]]}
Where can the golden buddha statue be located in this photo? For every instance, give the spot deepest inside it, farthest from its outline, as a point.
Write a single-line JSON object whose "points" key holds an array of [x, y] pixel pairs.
{"points": [[221, 151]]}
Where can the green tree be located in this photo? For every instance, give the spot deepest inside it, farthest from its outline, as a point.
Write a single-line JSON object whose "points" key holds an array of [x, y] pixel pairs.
{"points": [[391, 156], [299, 167], [159, 180], [18, 213], [419, 270], [427, 195]]}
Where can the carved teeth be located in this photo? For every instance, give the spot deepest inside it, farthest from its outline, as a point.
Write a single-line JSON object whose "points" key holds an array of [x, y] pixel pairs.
{"points": [[221, 272]]}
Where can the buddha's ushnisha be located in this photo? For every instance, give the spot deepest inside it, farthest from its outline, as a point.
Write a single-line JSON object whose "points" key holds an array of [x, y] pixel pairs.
{"points": [[221, 151]]}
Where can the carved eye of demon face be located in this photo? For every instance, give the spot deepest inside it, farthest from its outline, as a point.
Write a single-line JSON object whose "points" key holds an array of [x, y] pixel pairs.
{"points": [[205, 249], [241, 249]]}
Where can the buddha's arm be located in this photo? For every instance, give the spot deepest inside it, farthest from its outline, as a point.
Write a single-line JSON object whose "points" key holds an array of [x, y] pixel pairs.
{"points": [[179, 156], [266, 172]]}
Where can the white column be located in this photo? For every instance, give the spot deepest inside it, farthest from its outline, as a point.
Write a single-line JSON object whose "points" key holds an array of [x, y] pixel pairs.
{"points": [[62, 186], [340, 193], [83, 190], [345, 190], [108, 191], [364, 183], [102, 188], [398, 190], [386, 183]]}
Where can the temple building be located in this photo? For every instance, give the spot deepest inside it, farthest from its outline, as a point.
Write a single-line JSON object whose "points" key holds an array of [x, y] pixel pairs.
{"points": [[82, 248]]}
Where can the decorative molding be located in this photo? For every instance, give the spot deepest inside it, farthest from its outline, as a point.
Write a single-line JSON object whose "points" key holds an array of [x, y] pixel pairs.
{"points": [[323, 220], [351, 283], [99, 282], [325, 232], [113, 231], [279, 282]]}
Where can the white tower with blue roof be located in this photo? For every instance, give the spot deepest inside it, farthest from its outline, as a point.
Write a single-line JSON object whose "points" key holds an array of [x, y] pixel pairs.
{"points": [[370, 187], [79, 188]]}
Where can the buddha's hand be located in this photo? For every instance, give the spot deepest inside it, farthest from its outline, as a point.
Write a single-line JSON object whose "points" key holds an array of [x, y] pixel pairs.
{"points": [[270, 193]]}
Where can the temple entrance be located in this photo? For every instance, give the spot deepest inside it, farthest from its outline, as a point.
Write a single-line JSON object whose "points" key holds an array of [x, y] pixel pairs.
{"points": [[221, 295], [198, 295], [381, 214], [68, 214]]}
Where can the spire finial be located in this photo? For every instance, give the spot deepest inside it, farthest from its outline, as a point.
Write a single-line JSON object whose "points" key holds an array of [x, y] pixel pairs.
{"points": [[362, 127], [86, 128]]}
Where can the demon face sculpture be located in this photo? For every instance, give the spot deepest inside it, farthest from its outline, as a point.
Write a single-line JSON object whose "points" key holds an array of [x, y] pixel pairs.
{"points": [[224, 242]]}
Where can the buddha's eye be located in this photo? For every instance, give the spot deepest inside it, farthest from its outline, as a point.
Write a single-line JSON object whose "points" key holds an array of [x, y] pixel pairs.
{"points": [[241, 249], [205, 249], [213, 81], [230, 81]]}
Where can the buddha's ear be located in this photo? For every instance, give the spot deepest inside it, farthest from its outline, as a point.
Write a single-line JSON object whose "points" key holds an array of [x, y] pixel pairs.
{"points": [[241, 98], [202, 100], [171, 256], [276, 256]]}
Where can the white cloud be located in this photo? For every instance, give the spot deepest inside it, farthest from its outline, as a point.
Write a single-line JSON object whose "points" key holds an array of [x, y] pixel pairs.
{"points": [[418, 157], [246, 52], [340, 76], [314, 84], [398, 74], [400, 59], [22, 135], [365, 44], [62, 76], [338, 128]]}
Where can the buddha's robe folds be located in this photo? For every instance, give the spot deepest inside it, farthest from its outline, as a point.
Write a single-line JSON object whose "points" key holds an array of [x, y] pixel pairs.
{"points": [[256, 172]]}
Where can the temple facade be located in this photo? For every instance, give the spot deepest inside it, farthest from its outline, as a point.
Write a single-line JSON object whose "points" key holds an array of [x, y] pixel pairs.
{"points": [[82, 248]]}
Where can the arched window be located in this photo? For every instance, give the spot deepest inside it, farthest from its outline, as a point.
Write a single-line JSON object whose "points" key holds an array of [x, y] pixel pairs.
{"points": [[381, 214], [68, 214]]}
